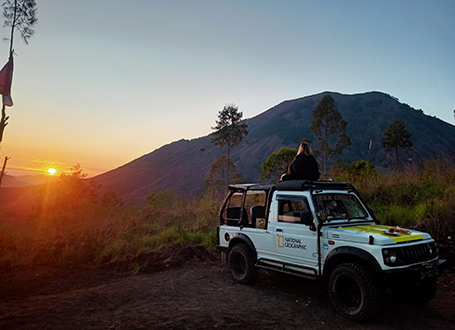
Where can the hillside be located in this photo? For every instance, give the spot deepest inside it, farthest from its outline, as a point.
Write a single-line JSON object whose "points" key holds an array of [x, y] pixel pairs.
{"points": [[184, 164], [26, 180]]}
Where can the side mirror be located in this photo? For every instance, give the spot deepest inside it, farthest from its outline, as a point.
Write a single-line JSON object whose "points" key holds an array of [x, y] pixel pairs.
{"points": [[306, 218]]}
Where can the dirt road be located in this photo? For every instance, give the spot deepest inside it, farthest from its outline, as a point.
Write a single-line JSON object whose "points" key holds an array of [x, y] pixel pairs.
{"points": [[196, 293]]}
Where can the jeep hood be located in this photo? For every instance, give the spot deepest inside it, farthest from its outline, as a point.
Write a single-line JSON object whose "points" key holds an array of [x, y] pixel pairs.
{"points": [[362, 233]]}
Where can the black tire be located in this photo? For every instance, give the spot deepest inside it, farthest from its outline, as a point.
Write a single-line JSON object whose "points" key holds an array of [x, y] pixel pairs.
{"points": [[425, 292], [241, 264], [416, 294], [354, 292]]}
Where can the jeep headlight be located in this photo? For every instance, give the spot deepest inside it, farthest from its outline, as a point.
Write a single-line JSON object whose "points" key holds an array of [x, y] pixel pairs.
{"points": [[433, 249], [390, 256]]}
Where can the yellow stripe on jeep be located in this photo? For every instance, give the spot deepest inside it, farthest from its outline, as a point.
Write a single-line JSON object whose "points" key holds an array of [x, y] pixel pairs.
{"points": [[379, 230]]}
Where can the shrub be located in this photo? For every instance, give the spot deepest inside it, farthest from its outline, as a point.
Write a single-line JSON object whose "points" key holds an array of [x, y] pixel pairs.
{"points": [[410, 196], [432, 208], [393, 214], [90, 235]]}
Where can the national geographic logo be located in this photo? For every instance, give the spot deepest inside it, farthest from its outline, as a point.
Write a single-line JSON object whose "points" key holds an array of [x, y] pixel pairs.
{"points": [[291, 243]]}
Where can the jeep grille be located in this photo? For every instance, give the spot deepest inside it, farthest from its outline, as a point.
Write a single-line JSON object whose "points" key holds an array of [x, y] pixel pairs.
{"points": [[416, 253]]}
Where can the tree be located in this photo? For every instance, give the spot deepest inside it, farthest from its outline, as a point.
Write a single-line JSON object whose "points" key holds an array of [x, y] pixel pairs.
{"points": [[326, 123], [357, 172], [397, 137], [74, 189], [215, 183], [229, 131], [277, 163], [20, 15]]}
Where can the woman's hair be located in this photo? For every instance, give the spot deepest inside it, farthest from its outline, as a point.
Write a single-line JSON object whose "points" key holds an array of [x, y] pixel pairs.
{"points": [[306, 149]]}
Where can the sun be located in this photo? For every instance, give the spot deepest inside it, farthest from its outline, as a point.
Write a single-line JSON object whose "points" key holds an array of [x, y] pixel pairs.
{"points": [[51, 171]]}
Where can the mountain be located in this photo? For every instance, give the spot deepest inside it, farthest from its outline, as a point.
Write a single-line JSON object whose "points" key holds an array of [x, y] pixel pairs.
{"points": [[12, 181], [184, 164], [26, 180]]}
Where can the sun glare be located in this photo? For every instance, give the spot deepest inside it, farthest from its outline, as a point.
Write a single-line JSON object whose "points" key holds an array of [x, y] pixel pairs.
{"points": [[51, 171]]}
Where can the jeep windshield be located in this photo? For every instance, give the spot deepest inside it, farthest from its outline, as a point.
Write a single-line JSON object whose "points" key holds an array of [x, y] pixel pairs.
{"points": [[339, 206]]}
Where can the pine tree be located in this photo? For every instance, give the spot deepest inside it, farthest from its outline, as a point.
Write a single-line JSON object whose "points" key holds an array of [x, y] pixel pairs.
{"points": [[326, 123], [397, 137], [229, 132]]}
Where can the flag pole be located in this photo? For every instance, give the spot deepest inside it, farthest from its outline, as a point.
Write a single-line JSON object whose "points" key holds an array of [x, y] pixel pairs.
{"points": [[3, 170], [12, 31], [3, 121]]}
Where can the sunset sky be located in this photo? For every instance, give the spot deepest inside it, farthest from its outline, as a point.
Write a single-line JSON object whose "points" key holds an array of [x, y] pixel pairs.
{"points": [[103, 82]]}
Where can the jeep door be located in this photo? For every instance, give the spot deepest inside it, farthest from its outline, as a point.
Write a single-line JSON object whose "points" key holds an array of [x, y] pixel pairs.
{"points": [[295, 243]]}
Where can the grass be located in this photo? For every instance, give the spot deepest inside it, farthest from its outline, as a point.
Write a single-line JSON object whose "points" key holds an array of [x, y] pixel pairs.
{"points": [[85, 233], [421, 197]]}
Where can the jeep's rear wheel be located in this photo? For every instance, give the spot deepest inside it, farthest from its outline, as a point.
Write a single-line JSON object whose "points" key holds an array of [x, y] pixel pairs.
{"points": [[241, 264], [354, 292]]}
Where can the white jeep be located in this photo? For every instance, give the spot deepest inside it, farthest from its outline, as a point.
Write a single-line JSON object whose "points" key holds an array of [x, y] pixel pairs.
{"points": [[324, 230]]}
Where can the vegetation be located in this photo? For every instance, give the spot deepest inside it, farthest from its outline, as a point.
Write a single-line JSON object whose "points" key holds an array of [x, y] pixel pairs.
{"points": [[222, 168], [229, 132], [71, 225], [20, 15], [326, 123], [277, 163], [397, 137], [416, 196]]}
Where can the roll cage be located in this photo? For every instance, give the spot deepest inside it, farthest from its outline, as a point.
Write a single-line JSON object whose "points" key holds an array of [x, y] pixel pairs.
{"points": [[238, 215]]}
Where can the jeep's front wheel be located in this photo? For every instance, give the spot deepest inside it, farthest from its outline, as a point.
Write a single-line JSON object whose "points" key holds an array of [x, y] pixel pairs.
{"points": [[241, 264], [425, 292], [416, 293], [354, 292]]}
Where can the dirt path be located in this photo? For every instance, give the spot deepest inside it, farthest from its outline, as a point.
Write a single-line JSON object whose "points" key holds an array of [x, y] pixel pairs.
{"points": [[194, 295]]}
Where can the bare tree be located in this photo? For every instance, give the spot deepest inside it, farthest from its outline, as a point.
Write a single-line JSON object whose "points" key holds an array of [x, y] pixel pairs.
{"points": [[19, 15]]}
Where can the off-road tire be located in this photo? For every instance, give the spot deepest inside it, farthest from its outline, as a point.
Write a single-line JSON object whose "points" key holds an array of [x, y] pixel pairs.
{"points": [[425, 292], [416, 294], [242, 264], [354, 292]]}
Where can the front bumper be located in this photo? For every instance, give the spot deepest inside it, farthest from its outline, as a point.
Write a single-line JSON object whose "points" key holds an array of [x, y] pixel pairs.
{"points": [[416, 273]]}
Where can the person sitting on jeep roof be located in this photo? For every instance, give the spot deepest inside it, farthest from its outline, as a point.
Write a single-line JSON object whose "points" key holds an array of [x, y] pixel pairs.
{"points": [[304, 165]]}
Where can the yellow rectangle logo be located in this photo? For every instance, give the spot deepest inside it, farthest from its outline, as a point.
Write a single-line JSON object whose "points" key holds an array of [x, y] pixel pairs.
{"points": [[281, 241]]}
